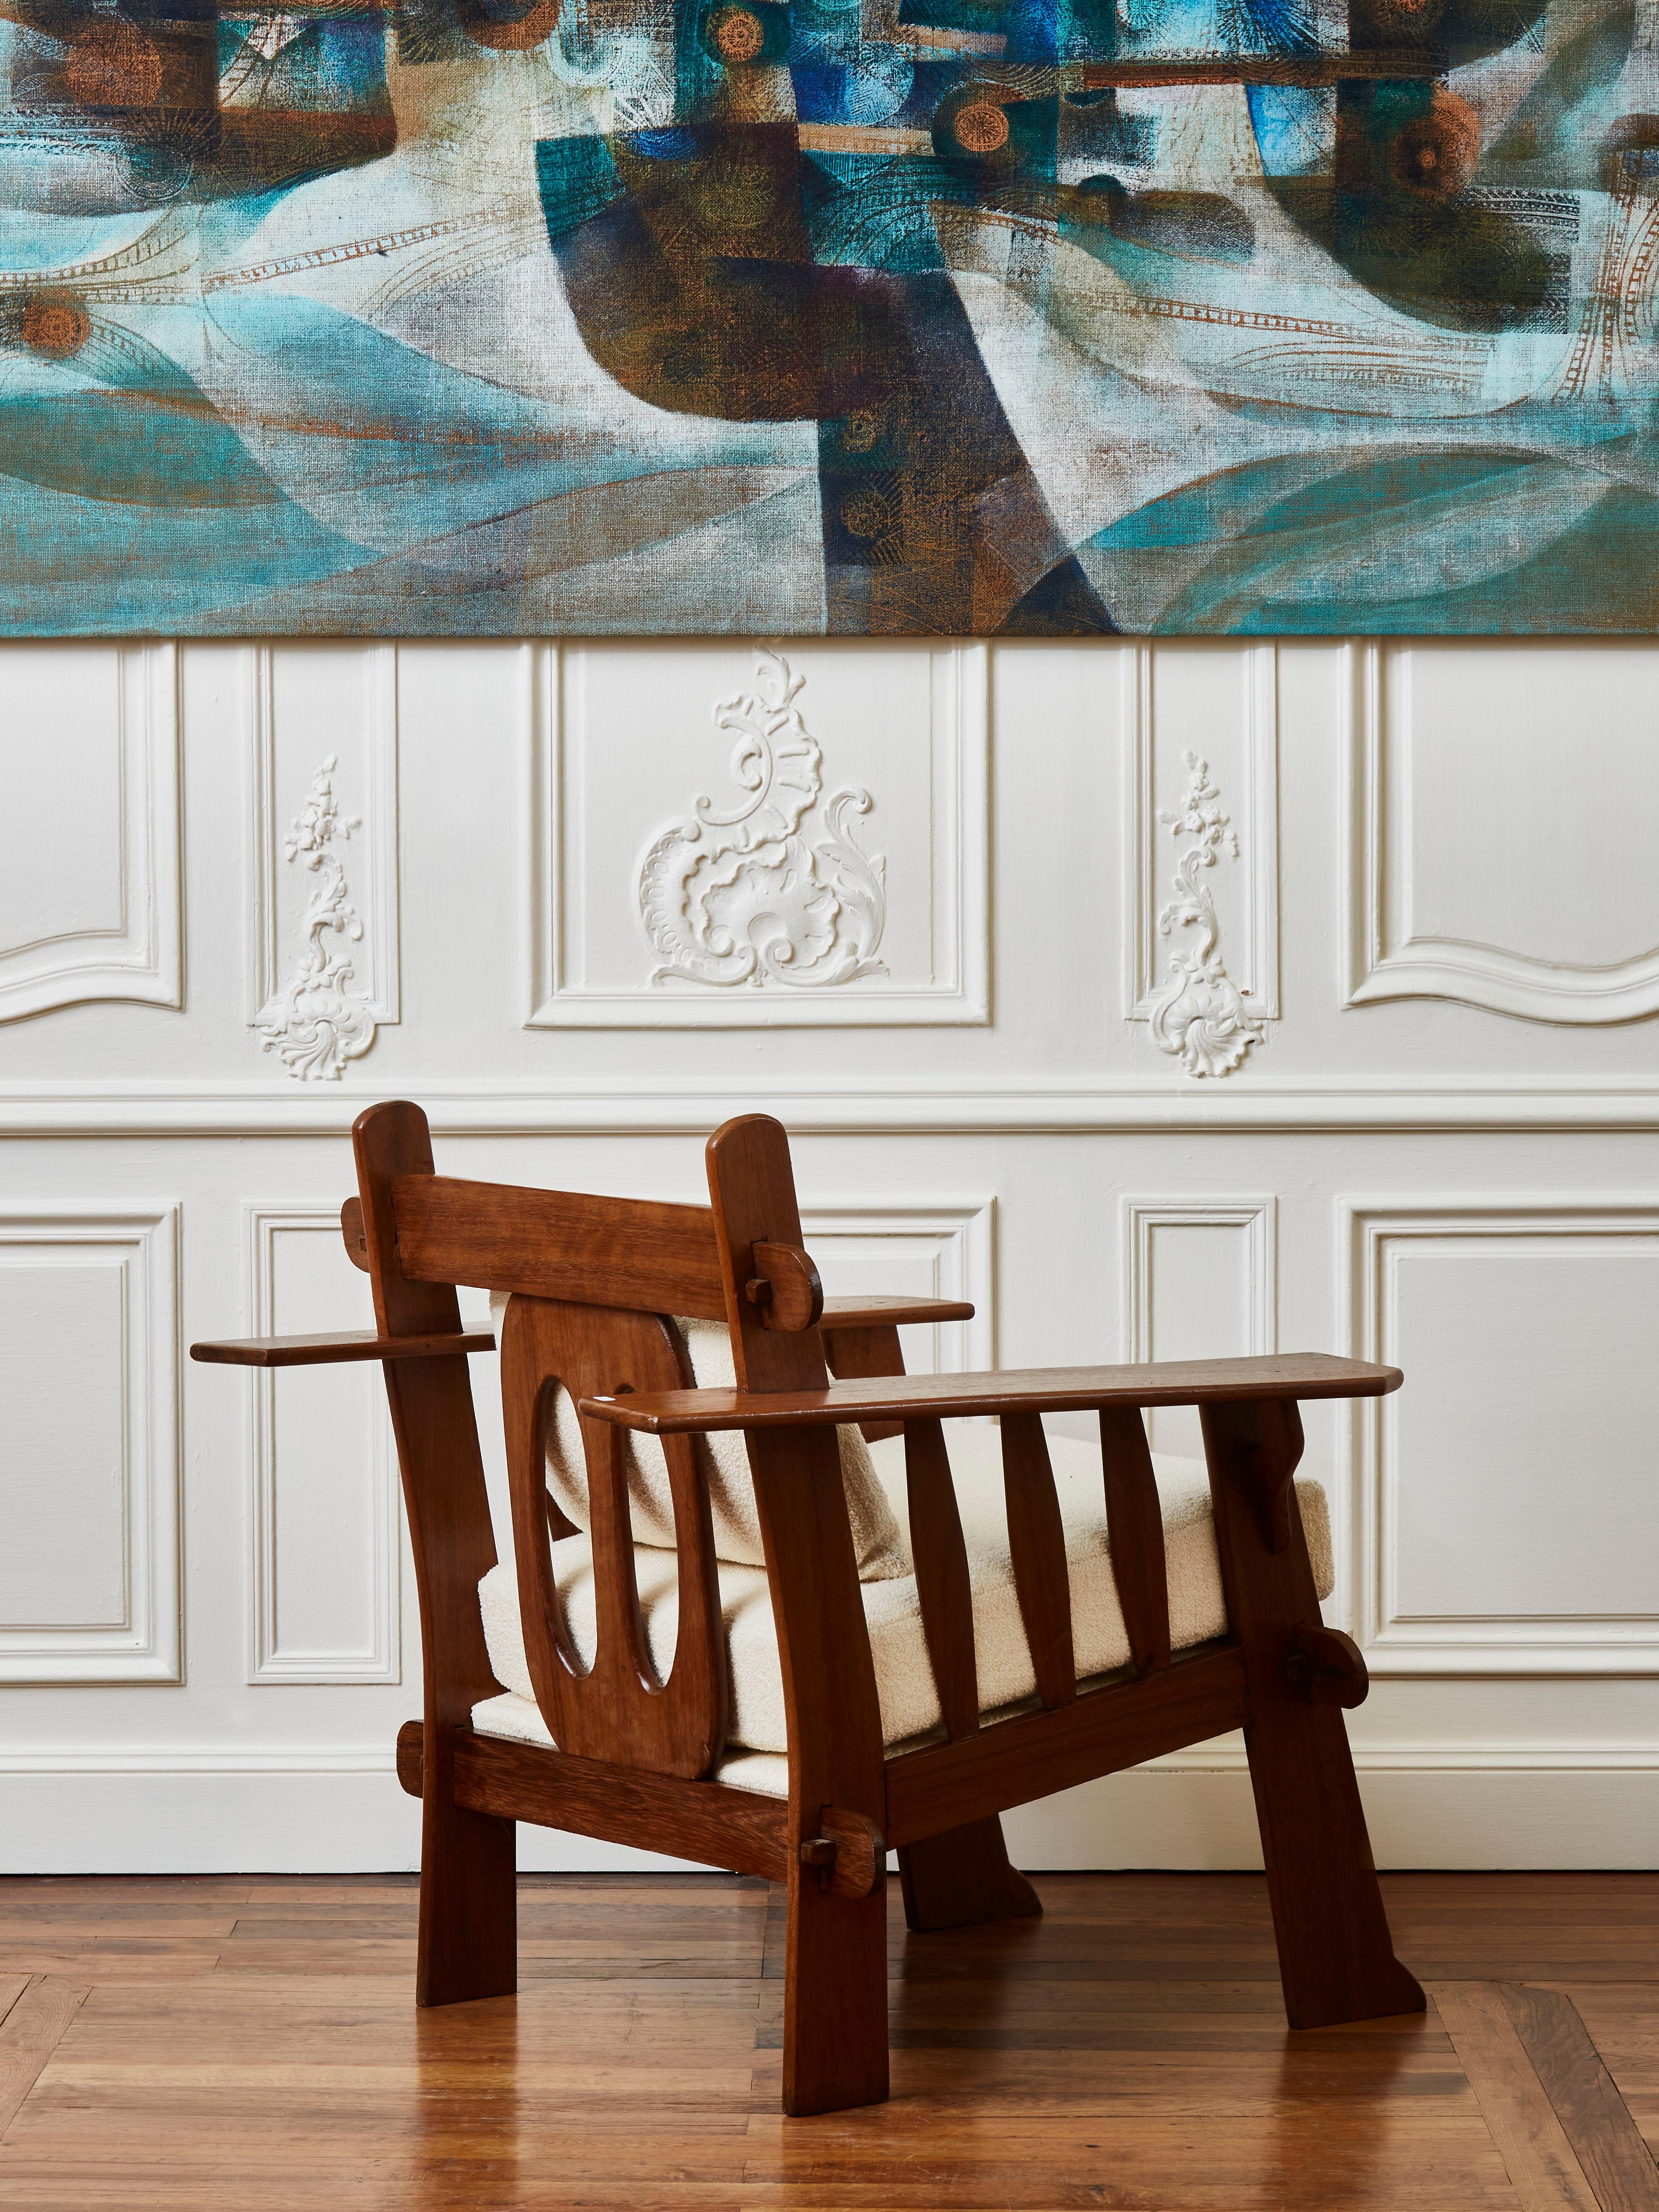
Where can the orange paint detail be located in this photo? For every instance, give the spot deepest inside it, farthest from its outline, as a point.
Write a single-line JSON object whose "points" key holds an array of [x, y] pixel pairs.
{"points": [[56, 327], [739, 35], [981, 128], [1434, 156]]}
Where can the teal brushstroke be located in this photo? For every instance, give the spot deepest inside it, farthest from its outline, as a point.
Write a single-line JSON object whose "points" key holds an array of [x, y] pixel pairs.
{"points": [[76, 568], [1462, 540]]}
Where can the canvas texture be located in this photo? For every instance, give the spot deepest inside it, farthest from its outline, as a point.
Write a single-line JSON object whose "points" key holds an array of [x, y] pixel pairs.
{"points": [[879, 1542], [892, 1608], [944, 317]]}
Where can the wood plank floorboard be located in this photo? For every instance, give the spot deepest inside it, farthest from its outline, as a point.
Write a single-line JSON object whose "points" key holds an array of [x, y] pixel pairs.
{"points": [[1598, 2124], [251, 2045]]}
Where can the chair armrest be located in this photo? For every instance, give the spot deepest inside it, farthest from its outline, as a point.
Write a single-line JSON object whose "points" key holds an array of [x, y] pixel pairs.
{"points": [[1015, 1390], [877, 1312], [885, 1312], [345, 1344]]}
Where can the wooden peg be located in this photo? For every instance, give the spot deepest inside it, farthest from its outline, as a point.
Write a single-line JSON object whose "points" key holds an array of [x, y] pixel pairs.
{"points": [[351, 1228], [849, 1851], [1328, 1666], [785, 1288]]}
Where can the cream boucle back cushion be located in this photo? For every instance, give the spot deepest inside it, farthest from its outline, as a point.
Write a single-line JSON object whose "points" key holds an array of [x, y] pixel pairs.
{"points": [[877, 1540], [904, 1676]]}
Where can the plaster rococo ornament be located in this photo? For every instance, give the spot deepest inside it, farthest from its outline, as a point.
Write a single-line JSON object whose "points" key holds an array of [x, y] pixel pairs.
{"points": [[744, 896], [317, 1022], [1200, 1016]]}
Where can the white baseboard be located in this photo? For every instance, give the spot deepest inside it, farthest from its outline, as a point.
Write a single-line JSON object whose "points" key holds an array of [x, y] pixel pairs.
{"points": [[350, 1816]]}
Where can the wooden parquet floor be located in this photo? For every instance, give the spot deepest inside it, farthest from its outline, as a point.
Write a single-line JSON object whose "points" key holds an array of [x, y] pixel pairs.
{"points": [[252, 2046]]}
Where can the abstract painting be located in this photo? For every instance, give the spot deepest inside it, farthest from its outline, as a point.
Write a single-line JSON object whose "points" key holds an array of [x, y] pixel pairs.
{"points": [[858, 317]]}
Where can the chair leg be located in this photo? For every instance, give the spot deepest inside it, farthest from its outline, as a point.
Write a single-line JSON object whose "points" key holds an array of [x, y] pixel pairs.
{"points": [[834, 1998], [469, 1942], [1336, 1954], [963, 1877]]}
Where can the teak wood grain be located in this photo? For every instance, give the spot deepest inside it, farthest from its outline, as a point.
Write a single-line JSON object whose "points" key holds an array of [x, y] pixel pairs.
{"points": [[737, 1829], [468, 1947], [1009, 1390], [1134, 1531], [868, 1350], [1035, 1754], [859, 1320], [638, 1254], [888, 1310], [834, 2007], [593, 1285], [942, 1588], [785, 1285], [616, 1709], [339, 1344], [1036, 1544], [1336, 1957]]}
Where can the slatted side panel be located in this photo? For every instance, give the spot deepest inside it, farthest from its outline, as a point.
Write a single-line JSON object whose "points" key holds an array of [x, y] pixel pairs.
{"points": [[1036, 1539], [1134, 1524], [942, 1579], [637, 1254]]}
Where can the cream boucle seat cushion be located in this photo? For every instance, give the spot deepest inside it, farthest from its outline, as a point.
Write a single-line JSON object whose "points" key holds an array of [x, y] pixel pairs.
{"points": [[904, 1680], [877, 1542]]}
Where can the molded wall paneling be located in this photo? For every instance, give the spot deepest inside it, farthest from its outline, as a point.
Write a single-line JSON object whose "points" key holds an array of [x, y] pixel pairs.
{"points": [[322, 744], [1508, 1497], [970, 921], [90, 905], [733, 838], [1201, 868], [931, 1249], [325, 1507], [1503, 812], [1199, 1283], [90, 1446]]}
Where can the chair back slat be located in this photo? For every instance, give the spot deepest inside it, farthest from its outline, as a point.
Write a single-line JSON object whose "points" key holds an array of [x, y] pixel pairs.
{"points": [[619, 1710], [1134, 1529], [640, 1255], [1036, 1539]]}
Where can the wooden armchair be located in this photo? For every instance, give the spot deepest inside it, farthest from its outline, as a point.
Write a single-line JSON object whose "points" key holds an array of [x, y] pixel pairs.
{"points": [[593, 1283]]}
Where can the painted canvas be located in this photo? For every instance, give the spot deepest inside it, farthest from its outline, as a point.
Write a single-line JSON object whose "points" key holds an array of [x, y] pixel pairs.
{"points": [[869, 317]]}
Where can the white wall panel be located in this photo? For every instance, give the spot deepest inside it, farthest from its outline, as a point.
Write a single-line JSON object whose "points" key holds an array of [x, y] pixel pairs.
{"points": [[1503, 826], [324, 1520], [89, 1446], [1200, 1282], [730, 838], [89, 793], [1509, 1497]]}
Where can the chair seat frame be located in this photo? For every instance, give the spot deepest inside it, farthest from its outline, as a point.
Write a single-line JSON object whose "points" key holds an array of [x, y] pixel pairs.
{"points": [[591, 1283]]}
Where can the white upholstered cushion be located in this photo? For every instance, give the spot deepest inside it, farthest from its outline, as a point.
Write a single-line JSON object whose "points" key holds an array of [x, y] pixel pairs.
{"points": [[877, 1542], [905, 1680]]}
